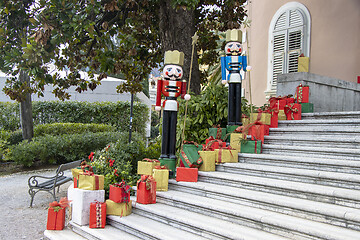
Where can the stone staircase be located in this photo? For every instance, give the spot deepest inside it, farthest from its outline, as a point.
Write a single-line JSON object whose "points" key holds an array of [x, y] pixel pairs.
{"points": [[305, 185]]}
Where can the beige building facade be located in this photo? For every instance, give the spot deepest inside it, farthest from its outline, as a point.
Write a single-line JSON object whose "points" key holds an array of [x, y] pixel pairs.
{"points": [[326, 31]]}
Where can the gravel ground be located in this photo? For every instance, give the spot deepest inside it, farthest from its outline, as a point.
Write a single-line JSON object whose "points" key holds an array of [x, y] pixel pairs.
{"points": [[18, 220]]}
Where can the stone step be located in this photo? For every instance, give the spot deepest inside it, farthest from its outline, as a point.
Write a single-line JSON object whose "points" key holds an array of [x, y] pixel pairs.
{"points": [[326, 194], [300, 162], [318, 130], [147, 228], [331, 115], [288, 226], [109, 232], [347, 122], [313, 151], [343, 180], [65, 234], [203, 225], [314, 140], [312, 210]]}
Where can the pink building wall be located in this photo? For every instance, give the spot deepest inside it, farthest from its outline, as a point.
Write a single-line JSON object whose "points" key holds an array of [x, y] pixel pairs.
{"points": [[334, 40]]}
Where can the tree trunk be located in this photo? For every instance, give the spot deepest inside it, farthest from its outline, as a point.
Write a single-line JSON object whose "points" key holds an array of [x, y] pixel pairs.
{"points": [[177, 26], [26, 111]]}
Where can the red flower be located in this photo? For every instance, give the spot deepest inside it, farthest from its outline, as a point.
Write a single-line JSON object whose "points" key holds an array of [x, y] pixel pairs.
{"points": [[111, 162], [91, 156], [115, 172], [107, 148]]}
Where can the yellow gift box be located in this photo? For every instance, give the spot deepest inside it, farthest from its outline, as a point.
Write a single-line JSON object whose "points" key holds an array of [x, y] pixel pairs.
{"points": [[146, 167], [265, 118], [90, 182], [281, 115], [75, 172], [245, 121], [226, 156], [208, 158], [235, 139], [118, 209], [161, 177], [303, 64]]}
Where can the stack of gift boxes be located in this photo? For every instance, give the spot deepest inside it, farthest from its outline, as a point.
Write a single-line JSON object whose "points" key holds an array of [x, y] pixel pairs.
{"points": [[87, 197], [87, 200]]}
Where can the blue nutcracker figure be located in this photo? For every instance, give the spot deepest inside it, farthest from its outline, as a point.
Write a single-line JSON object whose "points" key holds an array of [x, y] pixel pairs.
{"points": [[231, 64]]}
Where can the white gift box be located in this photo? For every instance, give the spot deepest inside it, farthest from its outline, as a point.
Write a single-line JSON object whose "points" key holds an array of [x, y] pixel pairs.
{"points": [[80, 203]]}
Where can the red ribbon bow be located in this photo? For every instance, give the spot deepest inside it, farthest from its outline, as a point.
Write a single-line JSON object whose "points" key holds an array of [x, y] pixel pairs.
{"points": [[162, 167], [150, 160], [63, 203]]}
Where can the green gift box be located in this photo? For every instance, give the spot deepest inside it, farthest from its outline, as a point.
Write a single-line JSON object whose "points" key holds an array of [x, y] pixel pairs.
{"points": [[231, 128], [213, 132], [251, 147], [189, 155], [307, 107]]}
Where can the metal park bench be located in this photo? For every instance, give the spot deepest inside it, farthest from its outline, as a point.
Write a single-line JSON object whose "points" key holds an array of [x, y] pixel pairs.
{"points": [[49, 184]]}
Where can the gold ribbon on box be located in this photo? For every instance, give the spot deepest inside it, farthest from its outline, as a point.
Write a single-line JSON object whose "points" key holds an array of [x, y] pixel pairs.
{"points": [[290, 108]]}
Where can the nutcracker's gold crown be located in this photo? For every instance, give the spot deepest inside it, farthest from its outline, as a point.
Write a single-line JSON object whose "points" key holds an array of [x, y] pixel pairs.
{"points": [[234, 35], [174, 57]]}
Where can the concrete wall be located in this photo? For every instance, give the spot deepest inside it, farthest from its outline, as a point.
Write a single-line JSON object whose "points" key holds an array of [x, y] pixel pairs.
{"points": [[334, 43], [327, 94]]}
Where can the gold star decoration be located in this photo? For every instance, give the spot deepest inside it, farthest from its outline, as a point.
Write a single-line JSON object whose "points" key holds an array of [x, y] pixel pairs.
{"points": [[195, 38]]}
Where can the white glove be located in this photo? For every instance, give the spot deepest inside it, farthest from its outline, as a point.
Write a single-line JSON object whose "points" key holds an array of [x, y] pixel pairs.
{"points": [[157, 108], [187, 97], [248, 68], [224, 82]]}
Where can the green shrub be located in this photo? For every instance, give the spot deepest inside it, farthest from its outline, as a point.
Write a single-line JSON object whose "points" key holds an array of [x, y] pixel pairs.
{"points": [[70, 128], [59, 149], [203, 111], [125, 156]]}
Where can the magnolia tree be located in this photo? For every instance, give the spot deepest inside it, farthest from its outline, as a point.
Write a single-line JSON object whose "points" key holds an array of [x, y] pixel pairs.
{"points": [[106, 37]]}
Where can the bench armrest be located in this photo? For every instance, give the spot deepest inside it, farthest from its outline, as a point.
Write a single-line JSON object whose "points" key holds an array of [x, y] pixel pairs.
{"points": [[34, 180]]}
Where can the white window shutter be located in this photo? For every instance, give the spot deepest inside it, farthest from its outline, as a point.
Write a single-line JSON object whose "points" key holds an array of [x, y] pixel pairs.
{"points": [[279, 48], [295, 41]]}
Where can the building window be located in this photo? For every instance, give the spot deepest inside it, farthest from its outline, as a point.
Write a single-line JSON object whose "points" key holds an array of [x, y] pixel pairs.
{"points": [[289, 36]]}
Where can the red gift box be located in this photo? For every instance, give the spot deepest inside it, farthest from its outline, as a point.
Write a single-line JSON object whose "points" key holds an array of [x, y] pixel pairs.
{"points": [[97, 215], [274, 119], [56, 219], [213, 143], [146, 190], [119, 192], [289, 100], [302, 94], [258, 132], [277, 103], [293, 111], [186, 174], [56, 214]]}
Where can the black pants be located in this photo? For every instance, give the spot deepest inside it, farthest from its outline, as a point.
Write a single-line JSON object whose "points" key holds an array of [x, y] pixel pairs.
{"points": [[168, 142], [234, 104]]}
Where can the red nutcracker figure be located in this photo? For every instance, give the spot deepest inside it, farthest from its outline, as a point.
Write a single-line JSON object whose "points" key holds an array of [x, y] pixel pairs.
{"points": [[171, 87]]}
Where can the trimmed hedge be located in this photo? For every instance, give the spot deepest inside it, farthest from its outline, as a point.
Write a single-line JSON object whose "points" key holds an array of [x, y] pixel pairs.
{"points": [[60, 149], [70, 128], [116, 114], [10, 116]]}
